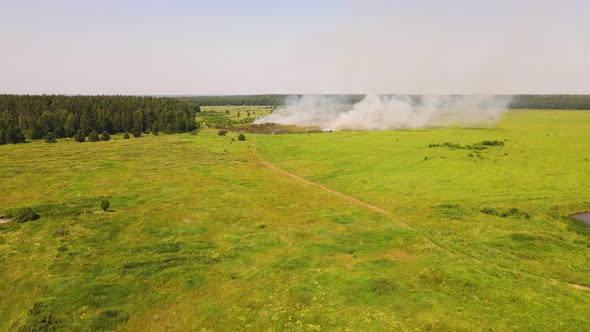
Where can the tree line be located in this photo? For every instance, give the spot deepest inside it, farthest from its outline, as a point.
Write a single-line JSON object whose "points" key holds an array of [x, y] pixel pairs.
{"points": [[33, 117], [251, 100], [573, 102], [563, 102]]}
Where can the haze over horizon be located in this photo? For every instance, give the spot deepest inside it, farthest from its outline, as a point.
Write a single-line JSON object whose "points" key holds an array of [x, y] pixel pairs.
{"points": [[303, 47]]}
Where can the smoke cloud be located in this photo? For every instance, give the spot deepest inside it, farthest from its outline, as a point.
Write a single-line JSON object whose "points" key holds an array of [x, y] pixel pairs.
{"points": [[390, 112]]}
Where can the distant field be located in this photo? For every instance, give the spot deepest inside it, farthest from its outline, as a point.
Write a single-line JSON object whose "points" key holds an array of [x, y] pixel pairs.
{"points": [[203, 235], [226, 116]]}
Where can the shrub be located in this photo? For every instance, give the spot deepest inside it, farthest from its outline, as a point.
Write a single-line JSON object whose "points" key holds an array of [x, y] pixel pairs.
{"points": [[39, 319], [109, 320], [93, 136], [50, 138], [222, 132], [104, 204], [24, 215], [168, 129], [79, 137], [476, 146], [492, 143], [126, 136], [512, 212], [105, 136], [241, 137], [155, 128]]}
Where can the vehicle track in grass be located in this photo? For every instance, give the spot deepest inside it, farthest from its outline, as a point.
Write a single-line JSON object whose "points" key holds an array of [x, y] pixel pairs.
{"points": [[390, 215]]}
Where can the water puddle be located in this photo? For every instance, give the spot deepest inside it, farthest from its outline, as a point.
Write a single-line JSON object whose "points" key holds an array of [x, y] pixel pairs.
{"points": [[583, 217]]}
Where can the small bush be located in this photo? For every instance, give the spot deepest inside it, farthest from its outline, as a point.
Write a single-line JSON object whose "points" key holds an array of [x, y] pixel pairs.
{"points": [[104, 204], [50, 138], [492, 143], [39, 319], [222, 132], [24, 215], [512, 212], [79, 137], [382, 286], [126, 136], [93, 136], [105, 136], [109, 320], [136, 133], [241, 137]]}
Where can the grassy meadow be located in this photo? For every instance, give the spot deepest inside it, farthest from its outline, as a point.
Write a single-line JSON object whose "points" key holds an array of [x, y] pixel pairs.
{"points": [[201, 235], [228, 116]]}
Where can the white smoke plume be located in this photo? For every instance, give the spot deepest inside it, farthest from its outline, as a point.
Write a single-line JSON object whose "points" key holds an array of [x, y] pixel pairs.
{"points": [[390, 112]]}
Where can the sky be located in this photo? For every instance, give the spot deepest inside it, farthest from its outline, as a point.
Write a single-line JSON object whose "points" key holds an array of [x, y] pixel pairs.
{"points": [[289, 47]]}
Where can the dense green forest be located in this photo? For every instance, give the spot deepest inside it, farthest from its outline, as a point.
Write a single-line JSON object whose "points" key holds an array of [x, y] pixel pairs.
{"points": [[67, 116], [574, 102], [565, 102]]}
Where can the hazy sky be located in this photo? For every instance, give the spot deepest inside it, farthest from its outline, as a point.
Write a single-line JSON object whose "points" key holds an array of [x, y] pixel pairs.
{"points": [[304, 46]]}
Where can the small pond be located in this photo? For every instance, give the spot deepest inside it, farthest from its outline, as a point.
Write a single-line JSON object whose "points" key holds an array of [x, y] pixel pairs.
{"points": [[583, 217]]}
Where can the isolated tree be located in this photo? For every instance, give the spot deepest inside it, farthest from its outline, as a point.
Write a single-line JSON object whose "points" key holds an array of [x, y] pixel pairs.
{"points": [[105, 136], [79, 137], [241, 137], [222, 132], [126, 136], [104, 204], [50, 138], [155, 128]]}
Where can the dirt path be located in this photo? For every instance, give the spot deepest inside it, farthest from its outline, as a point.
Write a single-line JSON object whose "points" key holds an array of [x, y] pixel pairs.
{"points": [[354, 201], [379, 210]]}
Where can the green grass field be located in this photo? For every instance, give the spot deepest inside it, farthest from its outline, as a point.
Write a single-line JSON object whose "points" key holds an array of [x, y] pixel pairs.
{"points": [[203, 235], [227, 116]]}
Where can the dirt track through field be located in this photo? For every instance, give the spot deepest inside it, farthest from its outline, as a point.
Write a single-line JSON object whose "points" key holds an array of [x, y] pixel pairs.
{"points": [[391, 216], [345, 197]]}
